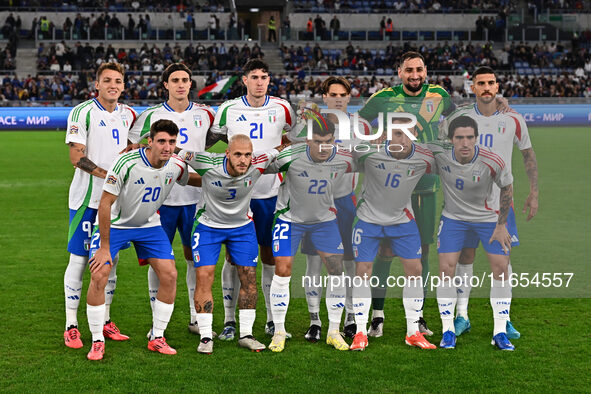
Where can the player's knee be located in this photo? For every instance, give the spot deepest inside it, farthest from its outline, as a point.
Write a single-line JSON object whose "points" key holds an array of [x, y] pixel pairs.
{"points": [[168, 277], [98, 280]]}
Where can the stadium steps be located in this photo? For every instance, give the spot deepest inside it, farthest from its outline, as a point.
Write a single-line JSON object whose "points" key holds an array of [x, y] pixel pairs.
{"points": [[272, 58], [26, 58]]}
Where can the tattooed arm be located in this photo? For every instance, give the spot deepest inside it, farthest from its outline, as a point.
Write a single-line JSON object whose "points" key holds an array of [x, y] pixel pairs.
{"points": [[531, 168], [501, 234], [78, 159]]}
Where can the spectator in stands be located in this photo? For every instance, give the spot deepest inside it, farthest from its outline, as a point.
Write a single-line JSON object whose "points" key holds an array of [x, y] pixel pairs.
{"points": [[335, 26], [389, 27], [310, 29], [286, 27], [319, 25], [130, 27]]}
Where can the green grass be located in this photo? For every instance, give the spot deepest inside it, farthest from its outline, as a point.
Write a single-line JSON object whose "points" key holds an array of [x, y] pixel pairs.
{"points": [[553, 353]]}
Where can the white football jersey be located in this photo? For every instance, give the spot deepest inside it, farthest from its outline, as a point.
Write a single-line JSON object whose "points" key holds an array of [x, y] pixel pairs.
{"points": [[307, 193], [104, 134], [388, 183], [225, 199], [193, 124], [264, 125], [141, 188], [467, 187], [348, 182], [498, 133]]}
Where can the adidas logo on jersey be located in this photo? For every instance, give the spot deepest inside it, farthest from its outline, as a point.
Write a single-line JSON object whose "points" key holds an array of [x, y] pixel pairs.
{"points": [[241, 118], [102, 123], [340, 246], [217, 183], [139, 182], [304, 174], [514, 238], [381, 166]]}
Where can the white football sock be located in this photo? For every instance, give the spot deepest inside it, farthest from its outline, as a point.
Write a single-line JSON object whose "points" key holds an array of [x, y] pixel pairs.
{"points": [[160, 317], [230, 290], [350, 273], [73, 287], [246, 317], [412, 300], [95, 315], [313, 287], [267, 273], [500, 300], [191, 279], [446, 298], [205, 321], [361, 304], [464, 271], [153, 284], [110, 288], [335, 301], [279, 301]]}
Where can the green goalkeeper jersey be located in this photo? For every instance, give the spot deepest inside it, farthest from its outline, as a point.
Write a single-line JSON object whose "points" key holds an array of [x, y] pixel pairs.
{"points": [[428, 107]]}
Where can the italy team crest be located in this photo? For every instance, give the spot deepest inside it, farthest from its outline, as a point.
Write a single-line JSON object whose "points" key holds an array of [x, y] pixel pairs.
{"points": [[125, 121], [247, 181], [276, 246], [272, 115], [411, 170], [502, 128], [168, 179], [430, 106], [476, 176], [197, 120]]}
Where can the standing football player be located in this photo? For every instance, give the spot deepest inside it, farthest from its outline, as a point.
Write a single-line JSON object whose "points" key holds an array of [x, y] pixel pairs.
{"points": [[135, 187], [97, 132], [467, 174], [224, 216], [263, 119], [306, 208], [428, 103], [497, 132], [385, 215], [336, 94], [178, 210]]}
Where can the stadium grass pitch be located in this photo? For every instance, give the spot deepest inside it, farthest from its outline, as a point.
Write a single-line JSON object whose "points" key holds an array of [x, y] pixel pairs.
{"points": [[552, 355]]}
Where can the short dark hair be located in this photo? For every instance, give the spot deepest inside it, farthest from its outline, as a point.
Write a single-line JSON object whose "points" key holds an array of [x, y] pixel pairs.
{"points": [[255, 64], [410, 55], [110, 66], [483, 70], [165, 125], [175, 67], [462, 121], [322, 126], [335, 80]]}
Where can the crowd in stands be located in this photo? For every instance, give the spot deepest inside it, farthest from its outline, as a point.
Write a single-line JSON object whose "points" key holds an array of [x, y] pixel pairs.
{"points": [[70, 88], [120, 5], [148, 58], [403, 6], [454, 56]]}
